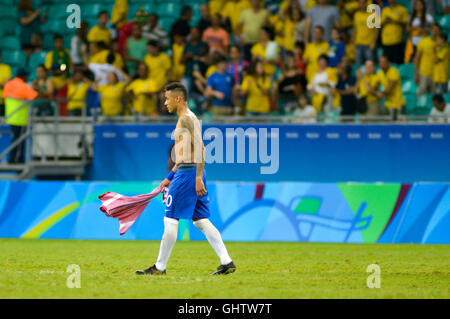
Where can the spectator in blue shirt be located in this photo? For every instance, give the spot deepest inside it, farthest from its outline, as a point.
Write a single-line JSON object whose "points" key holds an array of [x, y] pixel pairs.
{"points": [[337, 49], [219, 87]]}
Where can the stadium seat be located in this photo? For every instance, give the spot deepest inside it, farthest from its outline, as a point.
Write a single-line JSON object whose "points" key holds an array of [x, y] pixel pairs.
{"points": [[410, 99], [424, 104], [169, 9], [10, 43], [93, 9], [35, 60], [447, 97], [58, 11], [166, 23], [444, 22], [9, 26], [14, 58], [8, 11], [406, 71], [409, 87], [54, 26]]}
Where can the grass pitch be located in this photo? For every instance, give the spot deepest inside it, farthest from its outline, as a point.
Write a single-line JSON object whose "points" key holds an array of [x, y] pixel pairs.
{"points": [[37, 269]]}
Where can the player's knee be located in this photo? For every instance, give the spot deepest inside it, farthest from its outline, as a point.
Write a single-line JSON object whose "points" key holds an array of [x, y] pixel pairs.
{"points": [[199, 222]]}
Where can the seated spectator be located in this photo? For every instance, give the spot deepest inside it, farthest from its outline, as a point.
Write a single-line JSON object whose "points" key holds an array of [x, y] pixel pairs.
{"points": [[142, 92], [393, 22], [219, 87], [346, 89], [299, 49], [364, 38], [418, 27], [79, 46], [424, 62], [194, 51], [205, 20], [5, 76], [336, 48], [256, 87], [322, 85], [392, 83], [313, 51], [267, 51], [77, 90], [124, 31], [101, 70], [158, 64], [182, 26], [304, 113], [237, 65], [368, 87], [44, 86], [100, 32], [440, 71], [119, 13], [216, 37], [440, 113], [112, 95], [322, 14], [178, 67], [59, 56], [29, 21], [135, 50], [290, 84], [153, 31]]}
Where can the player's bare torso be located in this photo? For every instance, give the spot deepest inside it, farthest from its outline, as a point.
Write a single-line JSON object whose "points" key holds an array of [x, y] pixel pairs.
{"points": [[188, 139]]}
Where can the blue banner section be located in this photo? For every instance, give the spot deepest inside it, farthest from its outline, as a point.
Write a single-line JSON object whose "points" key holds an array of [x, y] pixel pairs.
{"points": [[306, 212], [313, 153]]}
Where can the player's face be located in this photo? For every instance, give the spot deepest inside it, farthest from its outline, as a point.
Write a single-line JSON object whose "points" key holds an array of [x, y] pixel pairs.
{"points": [[171, 102]]}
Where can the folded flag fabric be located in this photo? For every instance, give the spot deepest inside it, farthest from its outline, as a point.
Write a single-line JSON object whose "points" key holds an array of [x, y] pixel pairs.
{"points": [[127, 208]]}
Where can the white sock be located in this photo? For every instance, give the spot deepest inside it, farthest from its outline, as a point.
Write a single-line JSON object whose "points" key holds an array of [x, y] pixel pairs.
{"points": [[214, 238], [167, 242]]}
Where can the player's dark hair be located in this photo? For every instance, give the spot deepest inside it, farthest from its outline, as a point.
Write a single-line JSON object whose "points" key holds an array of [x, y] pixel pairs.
{"points": [[177, 87]]}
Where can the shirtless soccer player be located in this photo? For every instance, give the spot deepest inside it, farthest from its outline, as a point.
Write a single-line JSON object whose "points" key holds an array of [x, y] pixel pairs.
{"points": [[187, 196]]}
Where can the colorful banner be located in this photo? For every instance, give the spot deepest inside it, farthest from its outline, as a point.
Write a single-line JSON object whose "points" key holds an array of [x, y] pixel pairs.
{"points": [[309, 212]]}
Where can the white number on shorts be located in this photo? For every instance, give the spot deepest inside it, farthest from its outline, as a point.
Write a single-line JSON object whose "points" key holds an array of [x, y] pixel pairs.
{"points": [[169, 200]]}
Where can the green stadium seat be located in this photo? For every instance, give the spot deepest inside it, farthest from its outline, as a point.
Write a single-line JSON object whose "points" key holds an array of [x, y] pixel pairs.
{"points": [[36, 59], [406, 71], [166, 23], [8, 11], [169, 9], [444, 22], [409, 87], [54, 26], [10, 43], [58, 11], [447, 97], [9, 26], [93, 9], [14, 58], [424, 104], [411, 100]]}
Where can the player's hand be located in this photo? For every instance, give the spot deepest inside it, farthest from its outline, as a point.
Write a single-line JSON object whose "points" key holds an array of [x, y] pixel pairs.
{"points": [[200, 187], [165, 183]]}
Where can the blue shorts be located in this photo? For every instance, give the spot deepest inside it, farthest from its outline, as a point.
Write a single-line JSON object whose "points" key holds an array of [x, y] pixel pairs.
{"points": [[182, 199]]}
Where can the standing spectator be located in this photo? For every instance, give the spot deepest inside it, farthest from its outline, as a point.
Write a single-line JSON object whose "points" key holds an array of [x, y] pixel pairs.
{"points": [[299, 49], [251, 22], [256, 86], [194, 50], [232, 13], [100, 32], [445, 5], [112, 94], [267, 51], [347, 10], [135, 49], [346, 89], [79, 46], [368, 86], [336, 48], [16, 111], [59, 56], [322, 85], [219, 87], [178, 67], [30, 21], [323, 14], [153, 31], [101, 70], [299, 19], [313, 51], [418, 26], [5, 76], [205, 20], [364, 38], [290, 84], [119, 13], [392, 83], [216, 37], [304, 113], [424, 62], [430, 5], [158, 64], [124, 31], [440, 73], [142, 92], [182, 25], [44, 86], [77, 91], [440, 113], [237, 64], [393, 22]]}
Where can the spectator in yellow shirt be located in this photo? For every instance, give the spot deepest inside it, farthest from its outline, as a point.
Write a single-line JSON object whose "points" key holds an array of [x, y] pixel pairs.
{"points": [[77, 90], [368, 87], [5, 76], [178, 67], [158, 63], [232, 12], [267, 51], [256, 87], [440, 73], [364, 38], [312, 52], [119, 13], [100, 32], [424, 62], [142, 92], [112, 95], [390, 79], [393, 22]]}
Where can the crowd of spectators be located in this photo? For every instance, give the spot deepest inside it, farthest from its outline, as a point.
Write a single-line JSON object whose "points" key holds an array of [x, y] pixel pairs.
{"points": [[290, 57]]}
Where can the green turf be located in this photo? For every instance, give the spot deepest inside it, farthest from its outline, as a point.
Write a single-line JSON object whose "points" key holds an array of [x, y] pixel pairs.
{"points": [[37, 269]]}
